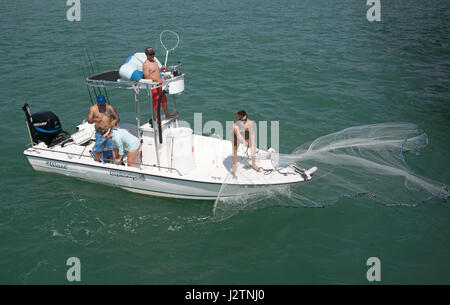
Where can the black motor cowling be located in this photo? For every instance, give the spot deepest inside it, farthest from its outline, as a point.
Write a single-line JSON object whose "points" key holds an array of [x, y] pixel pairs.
{"points": [[44, 126]]}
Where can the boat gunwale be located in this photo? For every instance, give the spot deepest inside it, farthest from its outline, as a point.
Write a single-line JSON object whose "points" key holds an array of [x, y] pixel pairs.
{"points": [[104, 166], [118, 83]]}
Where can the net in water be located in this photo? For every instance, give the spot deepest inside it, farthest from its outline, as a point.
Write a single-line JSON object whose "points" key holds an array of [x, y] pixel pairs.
{"points": [[364, 160]]}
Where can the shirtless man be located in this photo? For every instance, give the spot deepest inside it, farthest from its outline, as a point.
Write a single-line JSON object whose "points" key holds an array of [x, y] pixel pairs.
{"points": [[244, 131], [152, 71], [105, 117]]}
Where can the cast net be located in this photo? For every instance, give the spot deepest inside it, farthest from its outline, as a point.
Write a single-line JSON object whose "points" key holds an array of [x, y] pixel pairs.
{"points": [[365, 160]]}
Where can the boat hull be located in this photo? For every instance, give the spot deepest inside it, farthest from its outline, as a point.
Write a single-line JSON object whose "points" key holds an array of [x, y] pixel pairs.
{"points": [[128, 180], [204, 182]]}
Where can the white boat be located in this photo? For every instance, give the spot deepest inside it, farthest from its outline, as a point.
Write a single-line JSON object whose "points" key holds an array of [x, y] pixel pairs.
{"points": [[174, 162]]}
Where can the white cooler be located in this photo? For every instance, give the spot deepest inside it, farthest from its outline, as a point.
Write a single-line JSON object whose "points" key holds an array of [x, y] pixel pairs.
{"points": [[180, 149]]}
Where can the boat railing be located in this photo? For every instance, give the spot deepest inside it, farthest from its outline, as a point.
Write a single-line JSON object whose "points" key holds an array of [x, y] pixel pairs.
{"points": [[90, 156], [111, 79]]}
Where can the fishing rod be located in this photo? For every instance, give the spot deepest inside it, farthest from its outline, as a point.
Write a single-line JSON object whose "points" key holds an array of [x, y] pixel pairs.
{"points": [[89, 70], [104, 89], [89, 90], [91, 64]]}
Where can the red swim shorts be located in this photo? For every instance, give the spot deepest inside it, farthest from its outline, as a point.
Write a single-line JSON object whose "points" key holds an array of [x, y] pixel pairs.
{"points": [[155, 96]]}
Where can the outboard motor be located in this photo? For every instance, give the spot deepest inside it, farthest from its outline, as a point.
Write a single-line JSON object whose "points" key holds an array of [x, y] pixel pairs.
{"points": [[44, 127]]}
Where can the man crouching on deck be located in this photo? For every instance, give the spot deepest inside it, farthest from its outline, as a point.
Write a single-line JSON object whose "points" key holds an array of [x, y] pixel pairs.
{"points": [[105, 117]]}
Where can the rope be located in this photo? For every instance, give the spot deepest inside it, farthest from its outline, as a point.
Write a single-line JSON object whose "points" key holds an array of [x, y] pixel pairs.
{"points": [[268, 171]]}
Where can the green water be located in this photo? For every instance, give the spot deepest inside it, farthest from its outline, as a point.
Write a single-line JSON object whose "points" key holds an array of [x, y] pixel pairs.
{"points": [[315, 66]]}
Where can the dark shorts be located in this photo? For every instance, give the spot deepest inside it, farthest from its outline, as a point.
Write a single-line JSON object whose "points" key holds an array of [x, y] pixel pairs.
{"points": [[235, 138]]}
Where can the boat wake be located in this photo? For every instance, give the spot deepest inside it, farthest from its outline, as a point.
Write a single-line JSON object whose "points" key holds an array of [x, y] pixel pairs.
{"points": [[365, 160]]}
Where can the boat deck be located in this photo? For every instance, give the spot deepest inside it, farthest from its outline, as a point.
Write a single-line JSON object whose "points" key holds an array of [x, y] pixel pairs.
{"points": [[212, 162]]}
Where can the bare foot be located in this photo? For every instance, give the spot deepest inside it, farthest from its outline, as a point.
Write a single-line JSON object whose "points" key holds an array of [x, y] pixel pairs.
{"points": [[233, 171], [256, 168], [171, 116]]}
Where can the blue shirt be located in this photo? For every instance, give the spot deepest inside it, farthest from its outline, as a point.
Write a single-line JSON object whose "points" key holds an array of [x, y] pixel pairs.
{"points": [[124, 141]]}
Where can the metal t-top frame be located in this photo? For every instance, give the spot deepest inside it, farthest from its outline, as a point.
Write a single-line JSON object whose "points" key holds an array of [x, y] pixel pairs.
{"points": [[111, 79]]}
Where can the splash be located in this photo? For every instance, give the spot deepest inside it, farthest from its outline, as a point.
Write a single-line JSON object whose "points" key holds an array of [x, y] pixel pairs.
{"points": [[365, 160]]}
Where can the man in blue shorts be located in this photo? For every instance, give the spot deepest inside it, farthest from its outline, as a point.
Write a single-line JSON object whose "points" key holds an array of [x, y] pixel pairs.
{"points": [[105, 117]]}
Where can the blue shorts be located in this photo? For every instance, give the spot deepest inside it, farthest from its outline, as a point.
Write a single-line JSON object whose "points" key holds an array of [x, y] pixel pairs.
{"points": [[101, 143]]}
